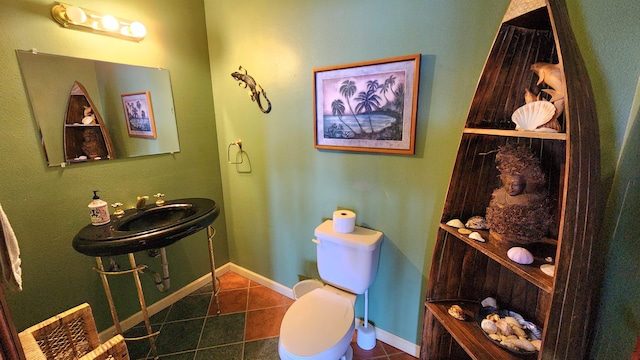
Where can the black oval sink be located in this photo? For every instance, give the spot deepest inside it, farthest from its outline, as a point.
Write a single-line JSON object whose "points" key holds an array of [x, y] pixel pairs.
{"points": [[150, 228], [156, 217]]}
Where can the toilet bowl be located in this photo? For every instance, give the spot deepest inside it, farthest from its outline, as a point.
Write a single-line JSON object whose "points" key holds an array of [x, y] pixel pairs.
{"points": [[319, 326]]}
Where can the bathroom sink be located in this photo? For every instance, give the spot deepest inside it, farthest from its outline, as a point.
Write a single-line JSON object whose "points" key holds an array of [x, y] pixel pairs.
{"points": [[156, 217], [152, 227]]}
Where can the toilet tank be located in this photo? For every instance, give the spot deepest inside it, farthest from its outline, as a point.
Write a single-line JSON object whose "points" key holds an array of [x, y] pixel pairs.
{"points": [[348, 261]]}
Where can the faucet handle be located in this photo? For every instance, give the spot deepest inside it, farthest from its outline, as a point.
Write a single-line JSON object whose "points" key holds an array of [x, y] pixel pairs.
{"points": [[160, 200]]}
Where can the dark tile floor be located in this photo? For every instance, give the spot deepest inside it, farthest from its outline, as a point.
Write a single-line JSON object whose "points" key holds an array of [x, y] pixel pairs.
{"points": [[247, 327]]}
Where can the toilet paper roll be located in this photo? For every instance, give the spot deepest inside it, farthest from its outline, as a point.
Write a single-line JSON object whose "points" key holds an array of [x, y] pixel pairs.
{"points": [[344, 221]]}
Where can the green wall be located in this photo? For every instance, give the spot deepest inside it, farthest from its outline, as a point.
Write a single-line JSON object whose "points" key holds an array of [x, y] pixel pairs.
{"points": [[272, 211], [47, 206]]}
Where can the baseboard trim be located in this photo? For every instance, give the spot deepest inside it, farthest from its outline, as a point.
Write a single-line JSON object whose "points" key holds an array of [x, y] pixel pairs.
{"points": [[384, 336], [266, 282]]}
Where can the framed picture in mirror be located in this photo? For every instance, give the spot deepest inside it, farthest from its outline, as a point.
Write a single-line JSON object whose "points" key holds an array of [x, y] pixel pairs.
{"points": [[138, 115]]}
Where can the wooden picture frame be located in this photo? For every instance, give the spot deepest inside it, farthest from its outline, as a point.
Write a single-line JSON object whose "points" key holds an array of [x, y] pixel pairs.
{"points": [[138, 115], [367, 106]]}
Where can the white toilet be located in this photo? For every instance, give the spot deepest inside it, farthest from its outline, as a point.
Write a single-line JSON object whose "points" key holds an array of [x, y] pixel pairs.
{"points": [[320, 324]]}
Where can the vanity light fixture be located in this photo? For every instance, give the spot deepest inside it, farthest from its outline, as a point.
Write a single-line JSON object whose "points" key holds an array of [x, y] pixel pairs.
{"points": [[75, 17]]}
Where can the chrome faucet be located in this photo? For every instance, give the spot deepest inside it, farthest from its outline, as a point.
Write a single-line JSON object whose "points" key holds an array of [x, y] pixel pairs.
{"points": [[141, 202]]}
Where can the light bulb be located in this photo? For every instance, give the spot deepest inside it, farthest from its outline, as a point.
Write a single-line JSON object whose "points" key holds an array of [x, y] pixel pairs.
{"points": [[137, 29], [76, 14], [109, 22]]}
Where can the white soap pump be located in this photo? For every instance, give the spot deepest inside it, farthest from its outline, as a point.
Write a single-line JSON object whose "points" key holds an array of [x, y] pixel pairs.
{"points": [[98, 210]]}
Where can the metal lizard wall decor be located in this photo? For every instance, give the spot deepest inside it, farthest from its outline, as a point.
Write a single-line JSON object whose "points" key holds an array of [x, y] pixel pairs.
{"points": [[255, 90]]}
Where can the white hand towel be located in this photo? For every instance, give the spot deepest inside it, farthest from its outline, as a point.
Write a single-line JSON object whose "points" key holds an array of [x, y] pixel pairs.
{"points": [[9, 255]]}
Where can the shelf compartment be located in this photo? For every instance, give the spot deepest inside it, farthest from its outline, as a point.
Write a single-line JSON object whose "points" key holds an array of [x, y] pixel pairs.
{"points": [[498, 253], [468, 334]]}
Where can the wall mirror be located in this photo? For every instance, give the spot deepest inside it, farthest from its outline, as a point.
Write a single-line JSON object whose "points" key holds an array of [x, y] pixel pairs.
{"points": [[49, 80]]}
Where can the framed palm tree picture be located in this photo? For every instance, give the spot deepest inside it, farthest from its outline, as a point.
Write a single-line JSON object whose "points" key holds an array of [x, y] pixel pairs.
{"points": [[368, 106], [138, 115]]}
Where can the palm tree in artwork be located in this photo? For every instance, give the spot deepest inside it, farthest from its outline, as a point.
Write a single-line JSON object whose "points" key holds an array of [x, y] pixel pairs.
{"points": [[387, 86], [337, 107], [347, 89], [369, 100]]}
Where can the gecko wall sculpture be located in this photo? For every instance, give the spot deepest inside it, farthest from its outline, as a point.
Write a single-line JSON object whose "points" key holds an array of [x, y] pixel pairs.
{"points": [[255, 90]]}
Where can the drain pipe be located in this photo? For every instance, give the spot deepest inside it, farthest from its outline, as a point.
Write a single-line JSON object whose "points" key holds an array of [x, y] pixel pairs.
{"points": [[165, 269], [162, 282]]}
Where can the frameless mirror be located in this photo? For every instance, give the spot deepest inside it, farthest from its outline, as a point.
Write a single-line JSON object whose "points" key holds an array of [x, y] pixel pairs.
{"points": [[49, 80]]}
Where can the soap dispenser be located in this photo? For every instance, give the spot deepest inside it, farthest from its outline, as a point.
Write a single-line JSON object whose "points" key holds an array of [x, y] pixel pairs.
{"points": [[98, 210]]}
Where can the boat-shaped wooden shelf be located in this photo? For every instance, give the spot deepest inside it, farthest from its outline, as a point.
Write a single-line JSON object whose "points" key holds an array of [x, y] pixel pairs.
{"points": [[465, 271], [85, 136]]}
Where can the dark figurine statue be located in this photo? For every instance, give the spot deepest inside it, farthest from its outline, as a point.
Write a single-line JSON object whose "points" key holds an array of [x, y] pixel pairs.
{"points": [[255, 90]]}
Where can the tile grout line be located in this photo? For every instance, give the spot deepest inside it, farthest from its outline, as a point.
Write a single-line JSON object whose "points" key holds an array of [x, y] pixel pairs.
{"points": [[246, 313]]}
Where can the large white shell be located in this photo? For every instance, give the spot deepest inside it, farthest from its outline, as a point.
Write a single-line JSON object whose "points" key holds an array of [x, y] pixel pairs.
{"points": [[531, 115], [455, 223], [520, 255]]}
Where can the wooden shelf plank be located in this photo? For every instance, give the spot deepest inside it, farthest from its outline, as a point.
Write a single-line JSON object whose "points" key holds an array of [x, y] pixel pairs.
{"points": [[468, 334], [498, 252], [517, 133]]}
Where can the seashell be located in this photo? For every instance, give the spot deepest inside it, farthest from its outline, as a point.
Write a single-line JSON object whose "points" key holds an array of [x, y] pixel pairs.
{"points": [[489, 326], [508, 344], [512, 321], [456, 312], [489, 302], [518, 331], [548, 269], [504, 328], [476, 236], [530, 116], [456, 223], [516, 316], [536, 344], [464, 231], [519, 344], [520, 255], [476, 222]]}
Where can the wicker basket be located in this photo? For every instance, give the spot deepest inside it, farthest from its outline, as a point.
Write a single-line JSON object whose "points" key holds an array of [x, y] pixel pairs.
{"points": [[71, 335]]}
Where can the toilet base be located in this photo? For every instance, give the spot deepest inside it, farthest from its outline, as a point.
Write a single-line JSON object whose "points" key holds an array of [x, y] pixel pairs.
{"points": [[348, 355]]}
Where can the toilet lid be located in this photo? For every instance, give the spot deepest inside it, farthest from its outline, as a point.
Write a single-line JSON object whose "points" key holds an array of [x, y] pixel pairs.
{"points": [[315, 323]]}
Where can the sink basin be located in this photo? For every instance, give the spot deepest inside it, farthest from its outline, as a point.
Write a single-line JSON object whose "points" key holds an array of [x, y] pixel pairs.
{"points": [[156, 217], [150, 228]]}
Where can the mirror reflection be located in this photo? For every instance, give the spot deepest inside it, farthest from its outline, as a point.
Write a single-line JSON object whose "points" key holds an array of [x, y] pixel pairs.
{"points": [[50, 79]]}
